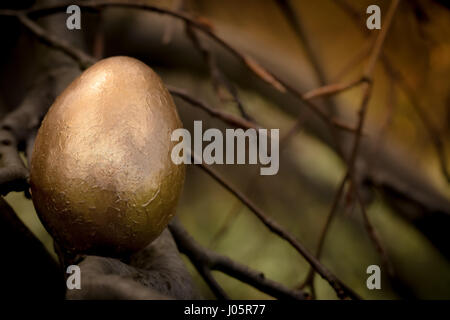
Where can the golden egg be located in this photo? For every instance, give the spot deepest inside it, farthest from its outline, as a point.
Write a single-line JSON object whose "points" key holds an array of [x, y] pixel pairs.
{"points": [[102, 179]]}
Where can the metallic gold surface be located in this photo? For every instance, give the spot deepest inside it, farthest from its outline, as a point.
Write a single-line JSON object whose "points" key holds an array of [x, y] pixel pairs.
{"points": [[102, 179]]}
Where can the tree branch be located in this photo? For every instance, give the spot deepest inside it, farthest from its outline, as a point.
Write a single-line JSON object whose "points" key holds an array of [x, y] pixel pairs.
{"points": [[250, 63], [204, 258], [367, 90], [83, 59], [341, 289], [156, 272], [224, 116]]}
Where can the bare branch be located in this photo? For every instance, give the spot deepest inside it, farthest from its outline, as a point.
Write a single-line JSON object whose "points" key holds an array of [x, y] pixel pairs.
{"points": [[250, 63], [341, 290], [218, 78], [354, 61], [227, 117], [410, 92], [178, 5], [296, 24], [204, 258], [83, 59], [236, 208], [367, 89], [423, 116], [156, 272], [332, 89]]}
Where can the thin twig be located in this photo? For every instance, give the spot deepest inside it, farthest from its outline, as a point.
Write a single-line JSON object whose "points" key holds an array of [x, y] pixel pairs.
{"points": [[236, 209], [391, 104], [375, 238], [367, 89], [205, 272], [320, 244], [302, 35], [354, 61], [367, 224], [410, 92], [178, 5], [332, 89], [352, 12], [341, 289], [249, 62], [313, 57], [218, 78], [83, 59], [205, 258], [227, 117], [423, 116]]}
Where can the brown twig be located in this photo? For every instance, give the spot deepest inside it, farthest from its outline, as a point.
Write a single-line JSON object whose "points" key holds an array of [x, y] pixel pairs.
{"points": [[375, 238], [236, 209], [352, 12], [249, 62], [18, 126], [423, 116], [391, 106], [302, 35], [230, 217], [397, 284], [83, 59], [209, 260], [178, 5], [226, 117], [218, 78], [367, 224], [324, 90], [354, 61], [61, 46], [341, 289], [320, 244], [313, 56], [368, 75], [332, 89], [205, 272], [410, 92], [367, 89]]}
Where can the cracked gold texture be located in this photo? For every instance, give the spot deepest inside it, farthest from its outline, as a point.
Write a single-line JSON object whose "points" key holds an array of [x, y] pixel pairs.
{"points": [[102, 179]]}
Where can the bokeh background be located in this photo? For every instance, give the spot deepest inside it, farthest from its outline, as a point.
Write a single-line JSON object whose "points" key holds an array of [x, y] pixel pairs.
{"points": [[299, 197]]}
